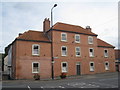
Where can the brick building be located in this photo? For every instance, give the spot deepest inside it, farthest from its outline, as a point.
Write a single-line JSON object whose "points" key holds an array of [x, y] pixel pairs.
{"points": [[117, 57], [61, 48]]}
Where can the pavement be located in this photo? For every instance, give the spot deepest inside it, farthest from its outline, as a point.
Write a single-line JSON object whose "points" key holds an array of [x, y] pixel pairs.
{"points": [[104, 80]]}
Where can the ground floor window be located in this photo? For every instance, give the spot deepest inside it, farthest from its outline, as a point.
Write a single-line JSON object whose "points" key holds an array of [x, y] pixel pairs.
{"points": [[35, 67], [106, 65], [92, 66], [64, 67]]}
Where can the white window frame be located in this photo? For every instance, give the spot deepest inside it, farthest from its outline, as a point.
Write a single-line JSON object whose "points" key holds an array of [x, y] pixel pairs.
{"points": [[38, 67], [38, 49], [107, 67], [93, 52], [75, 38], [105, 54], [62, 38], [92, 68], [62, 67], [89, 40], [61, 50], [79, 51]]}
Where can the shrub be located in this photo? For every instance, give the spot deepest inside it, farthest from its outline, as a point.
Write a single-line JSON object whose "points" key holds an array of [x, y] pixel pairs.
{"points": [[63, 75], [36, 77]]}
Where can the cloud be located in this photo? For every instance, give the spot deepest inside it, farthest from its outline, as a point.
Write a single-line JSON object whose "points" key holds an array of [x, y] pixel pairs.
{"points": [[18, 17]]}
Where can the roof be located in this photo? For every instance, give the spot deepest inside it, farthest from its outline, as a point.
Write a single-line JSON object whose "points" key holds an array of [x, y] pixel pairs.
{"points": [[72, 28], [33, 35], [102, 43]]}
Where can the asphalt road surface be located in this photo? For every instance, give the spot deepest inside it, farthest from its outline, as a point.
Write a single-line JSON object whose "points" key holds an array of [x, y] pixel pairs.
{"points": [[105, 80]]}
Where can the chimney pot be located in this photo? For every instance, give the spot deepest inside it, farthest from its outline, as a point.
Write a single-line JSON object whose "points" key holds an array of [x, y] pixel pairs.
{"points": [[88, 28], [20, 34]]}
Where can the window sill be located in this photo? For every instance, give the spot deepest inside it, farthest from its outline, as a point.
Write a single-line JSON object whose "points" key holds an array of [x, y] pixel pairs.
{"points": [[105, 56], [91, 71], [35, 72], [90, 43], [63, 41], [35, 55], [78, 56], [77, 42], [91, 56], [64, 56]]}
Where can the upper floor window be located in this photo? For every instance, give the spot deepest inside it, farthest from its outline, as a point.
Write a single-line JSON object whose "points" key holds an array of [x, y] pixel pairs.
{"points": [[64, 66], [64, 51], [106, 53], [35, 67], [91, 52], [92, 66], [77, 38], [90, 40], [77, 51], [35, 49], [106, 65], [63, 36]]}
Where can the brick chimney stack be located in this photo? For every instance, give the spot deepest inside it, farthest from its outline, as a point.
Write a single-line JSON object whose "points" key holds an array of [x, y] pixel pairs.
{"points": [[46, 24], [88, 28]]}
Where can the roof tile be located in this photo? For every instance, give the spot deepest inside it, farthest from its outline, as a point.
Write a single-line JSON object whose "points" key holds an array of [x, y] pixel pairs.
{"points": [[103, 43], [33, 35], [73, 28]]}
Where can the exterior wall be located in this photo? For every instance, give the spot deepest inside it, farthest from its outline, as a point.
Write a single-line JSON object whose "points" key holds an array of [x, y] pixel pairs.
{"points": [[6, 64], [84, 59], [24, 59]]}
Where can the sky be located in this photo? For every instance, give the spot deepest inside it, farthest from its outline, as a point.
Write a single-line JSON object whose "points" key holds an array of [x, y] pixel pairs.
{"points": [[19, 16]]}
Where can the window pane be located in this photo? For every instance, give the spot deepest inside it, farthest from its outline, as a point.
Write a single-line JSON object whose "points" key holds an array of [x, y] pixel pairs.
{"points": [[91, 50], [90, 40], [64, 65], [91, 64], [77, 38], [64, 51], [35, 67], [35, 49], [78, 49], [64, 37]]}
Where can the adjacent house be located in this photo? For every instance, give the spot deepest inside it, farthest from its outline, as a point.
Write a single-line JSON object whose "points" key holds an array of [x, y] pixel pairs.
{"points": [[62, 48], [117, 57]]}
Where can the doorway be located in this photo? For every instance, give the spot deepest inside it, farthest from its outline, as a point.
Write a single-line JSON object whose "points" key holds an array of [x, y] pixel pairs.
{"points": [[78, 68]]}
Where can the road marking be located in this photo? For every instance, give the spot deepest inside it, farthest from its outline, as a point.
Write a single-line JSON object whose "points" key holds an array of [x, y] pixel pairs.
{"points": [[61, 87], [29, 88], [41, 87]]}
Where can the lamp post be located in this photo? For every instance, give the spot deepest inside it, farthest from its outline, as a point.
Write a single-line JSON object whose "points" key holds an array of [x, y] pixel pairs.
{"points": [[52, 43], [52, 15]]}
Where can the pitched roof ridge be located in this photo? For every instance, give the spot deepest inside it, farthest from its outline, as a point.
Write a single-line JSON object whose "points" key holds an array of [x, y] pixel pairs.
{"points": [[34, 31], [68, 24]]}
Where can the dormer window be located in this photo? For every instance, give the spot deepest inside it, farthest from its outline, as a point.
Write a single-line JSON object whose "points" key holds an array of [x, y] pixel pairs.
{"points": [[77, 38], [35, 49], [90, 40], [64, 37]]}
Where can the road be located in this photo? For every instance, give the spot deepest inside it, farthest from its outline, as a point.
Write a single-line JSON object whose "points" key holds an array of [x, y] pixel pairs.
{"points": [[105, 80]]}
